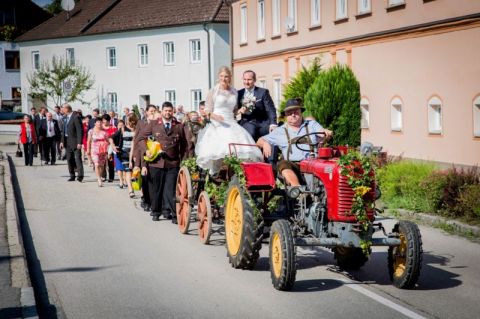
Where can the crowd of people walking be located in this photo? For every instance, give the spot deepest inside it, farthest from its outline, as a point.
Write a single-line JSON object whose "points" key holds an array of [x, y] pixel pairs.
{"points": [[109, 143]]}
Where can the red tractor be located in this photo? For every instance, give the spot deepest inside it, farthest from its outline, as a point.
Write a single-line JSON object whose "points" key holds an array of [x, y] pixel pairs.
{"points": [[319, 213]]}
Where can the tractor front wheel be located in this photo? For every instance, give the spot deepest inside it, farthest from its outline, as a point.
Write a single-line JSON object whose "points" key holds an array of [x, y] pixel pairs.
{"points": [[349, 258], [405, 260], [242, 237], [282, 256]]}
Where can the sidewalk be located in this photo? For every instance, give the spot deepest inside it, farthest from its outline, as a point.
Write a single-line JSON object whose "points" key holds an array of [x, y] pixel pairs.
{"points": [[16, 292]]}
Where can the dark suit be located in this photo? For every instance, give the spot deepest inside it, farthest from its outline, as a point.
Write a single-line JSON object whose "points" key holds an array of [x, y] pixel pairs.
{"points": [[72, 136], [36, 124], [50, 134], [263, 115], [163, 171]]}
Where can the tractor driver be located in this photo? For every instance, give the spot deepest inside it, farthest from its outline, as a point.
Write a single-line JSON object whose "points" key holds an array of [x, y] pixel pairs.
{"points": [[284, 137]]}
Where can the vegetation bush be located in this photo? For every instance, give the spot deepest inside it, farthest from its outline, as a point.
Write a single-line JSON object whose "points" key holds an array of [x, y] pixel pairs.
{"points": [[334, 100], [299, 85], [402, 187], [468, 202]]}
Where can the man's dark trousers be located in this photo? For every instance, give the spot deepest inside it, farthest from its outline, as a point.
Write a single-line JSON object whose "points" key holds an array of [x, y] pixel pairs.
{"points": [[74, 160], [162, 190], [49, 149]]}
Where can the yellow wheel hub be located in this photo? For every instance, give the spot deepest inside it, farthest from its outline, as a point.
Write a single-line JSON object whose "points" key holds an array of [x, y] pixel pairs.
{"points": [[400, 257], [234, 221], [276, 255]]}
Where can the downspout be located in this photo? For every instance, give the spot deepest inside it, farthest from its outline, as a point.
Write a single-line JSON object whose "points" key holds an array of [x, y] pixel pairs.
{"points": [[209, 58], [230, 37]]}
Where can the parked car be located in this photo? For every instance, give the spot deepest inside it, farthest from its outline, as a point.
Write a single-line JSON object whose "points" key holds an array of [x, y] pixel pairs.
{"points": [[6, 115]]}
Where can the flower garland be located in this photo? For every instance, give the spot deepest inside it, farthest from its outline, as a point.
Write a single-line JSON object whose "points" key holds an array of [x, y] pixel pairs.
{"points": [[359, 171]]}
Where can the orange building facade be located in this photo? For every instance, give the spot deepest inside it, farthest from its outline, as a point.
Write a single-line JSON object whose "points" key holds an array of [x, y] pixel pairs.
{"points": [[417, 61]]}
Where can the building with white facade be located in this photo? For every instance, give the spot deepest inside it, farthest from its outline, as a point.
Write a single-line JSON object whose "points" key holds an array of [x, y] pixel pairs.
{"points": [[138, 51], [9, 71]]}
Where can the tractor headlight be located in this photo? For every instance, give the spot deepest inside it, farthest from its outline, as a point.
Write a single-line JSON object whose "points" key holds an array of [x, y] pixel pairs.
{"points": [[293, 192]]}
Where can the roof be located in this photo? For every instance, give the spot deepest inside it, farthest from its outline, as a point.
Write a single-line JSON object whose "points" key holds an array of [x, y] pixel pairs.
{"points": [[90, 17]]}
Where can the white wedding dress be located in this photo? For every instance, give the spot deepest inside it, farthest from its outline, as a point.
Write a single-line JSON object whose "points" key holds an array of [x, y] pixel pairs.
{"points": [[213, 140]]}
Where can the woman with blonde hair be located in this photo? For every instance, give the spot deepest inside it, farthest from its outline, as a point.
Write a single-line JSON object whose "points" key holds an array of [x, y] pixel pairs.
{"points": [[213, 141]]}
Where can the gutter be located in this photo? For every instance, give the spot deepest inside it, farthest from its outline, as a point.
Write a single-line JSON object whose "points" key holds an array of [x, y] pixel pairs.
{"points": [[209, 58]]}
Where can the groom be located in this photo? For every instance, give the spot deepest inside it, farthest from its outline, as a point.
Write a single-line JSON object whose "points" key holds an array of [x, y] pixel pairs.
{"points": [[259, 116]]}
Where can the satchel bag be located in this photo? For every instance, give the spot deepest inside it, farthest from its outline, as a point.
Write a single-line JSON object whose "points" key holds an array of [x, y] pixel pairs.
{"points": [[19, 152]]}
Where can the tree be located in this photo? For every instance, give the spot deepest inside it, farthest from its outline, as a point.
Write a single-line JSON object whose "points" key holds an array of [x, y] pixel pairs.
{"points": [[61, 81], [54, 7], [299, 85], [334, 100]]}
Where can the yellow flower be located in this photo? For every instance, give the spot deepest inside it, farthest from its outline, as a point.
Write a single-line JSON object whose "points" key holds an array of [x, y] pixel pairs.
{"points": [[361, 190]]}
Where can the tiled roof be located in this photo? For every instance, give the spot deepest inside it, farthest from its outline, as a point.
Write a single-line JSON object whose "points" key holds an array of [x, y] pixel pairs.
{"points": [[91, 17]]}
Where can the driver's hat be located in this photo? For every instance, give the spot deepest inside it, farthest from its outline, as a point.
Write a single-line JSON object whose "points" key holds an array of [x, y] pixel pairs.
{"points": [[293, 104]]}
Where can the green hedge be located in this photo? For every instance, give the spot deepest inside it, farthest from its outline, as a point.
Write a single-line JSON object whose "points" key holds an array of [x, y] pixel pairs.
{"points": [[422, 187]]}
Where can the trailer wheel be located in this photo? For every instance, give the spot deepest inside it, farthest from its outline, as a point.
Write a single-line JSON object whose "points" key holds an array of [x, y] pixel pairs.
{"points": [[282, 256], [405, 260], [349, 258], [242, 238], [204, 214], [183, 195]]}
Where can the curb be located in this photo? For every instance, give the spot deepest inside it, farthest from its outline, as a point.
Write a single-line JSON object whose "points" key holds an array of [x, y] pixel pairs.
{"points": [[19, 270], [434, 220]]}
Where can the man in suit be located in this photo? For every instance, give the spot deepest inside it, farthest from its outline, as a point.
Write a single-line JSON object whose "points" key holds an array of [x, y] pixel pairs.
{"points": [[49, 133], [59, 117], [113, 119], [72, 141], [258, 113], [91, 122], [36, 123], [163, 171]]}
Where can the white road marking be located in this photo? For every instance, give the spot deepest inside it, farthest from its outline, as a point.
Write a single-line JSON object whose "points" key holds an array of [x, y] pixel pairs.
{"points": [[407, 312]]}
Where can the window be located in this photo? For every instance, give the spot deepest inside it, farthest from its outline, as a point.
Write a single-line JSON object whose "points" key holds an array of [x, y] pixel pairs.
{"points": [[70, 54], [142, 55], [364, 6], [315, 9], [16, 93], [12, 60], [275, 17], [111, 58], [112, 101], [195, 56], [392, 3], [277, 92], [36, 60], [169, 53], [171, 97], [262, 84], [261, 20], [292, 16], [476, 117], [243, 24], [396, 114], [435, 116], [196, 99], [341, 9], [365, 107]]}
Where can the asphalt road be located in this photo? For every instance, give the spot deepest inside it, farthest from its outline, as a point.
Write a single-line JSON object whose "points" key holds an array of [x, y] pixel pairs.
{"points": [[100, 256]]}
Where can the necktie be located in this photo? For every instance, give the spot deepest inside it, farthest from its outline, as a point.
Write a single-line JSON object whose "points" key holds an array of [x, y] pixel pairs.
{"points": [[167, 127]]}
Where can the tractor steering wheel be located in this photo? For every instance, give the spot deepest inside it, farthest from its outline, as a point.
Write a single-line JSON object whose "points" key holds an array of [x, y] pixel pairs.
{"points": [[300, 138]]}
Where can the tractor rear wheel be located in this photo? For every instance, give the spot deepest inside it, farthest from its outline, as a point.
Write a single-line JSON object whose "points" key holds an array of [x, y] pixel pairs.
{"points": [[349, 258], [183, 195], [405, 260], [282, 256], [242, 238], [204, 215]]}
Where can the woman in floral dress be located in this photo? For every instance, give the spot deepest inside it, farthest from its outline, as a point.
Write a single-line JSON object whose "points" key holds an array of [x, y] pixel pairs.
{"points": [[97, 148]]}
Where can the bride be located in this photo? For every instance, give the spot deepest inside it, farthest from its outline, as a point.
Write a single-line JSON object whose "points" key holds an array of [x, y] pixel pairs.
{"points": [[213, 140]]}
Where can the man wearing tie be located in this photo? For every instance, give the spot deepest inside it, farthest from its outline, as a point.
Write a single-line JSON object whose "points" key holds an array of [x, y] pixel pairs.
{"points": [[163, 171], [49, 134], [72, 141]]}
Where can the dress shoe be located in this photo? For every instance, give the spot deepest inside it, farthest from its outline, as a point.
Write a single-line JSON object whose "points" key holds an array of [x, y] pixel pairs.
{"points": [[80, 179], [167, 215], [46, 163], [174, 221], [52, 163], [147, 208], [71, 179], [156, 218], [110, 180]]}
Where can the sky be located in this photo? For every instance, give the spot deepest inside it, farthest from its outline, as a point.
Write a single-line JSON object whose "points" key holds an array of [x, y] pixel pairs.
{"points": [[42, 3]]}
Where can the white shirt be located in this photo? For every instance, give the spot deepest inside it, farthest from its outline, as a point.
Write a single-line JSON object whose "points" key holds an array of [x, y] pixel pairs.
{"points": [[50, 128]]}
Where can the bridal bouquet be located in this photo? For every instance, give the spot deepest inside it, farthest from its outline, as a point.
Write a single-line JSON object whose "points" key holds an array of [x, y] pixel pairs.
{"points": [[249, 103]]}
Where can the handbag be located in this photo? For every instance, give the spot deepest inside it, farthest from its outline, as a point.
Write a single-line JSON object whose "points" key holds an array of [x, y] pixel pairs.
{"points": [[19, 152]]}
